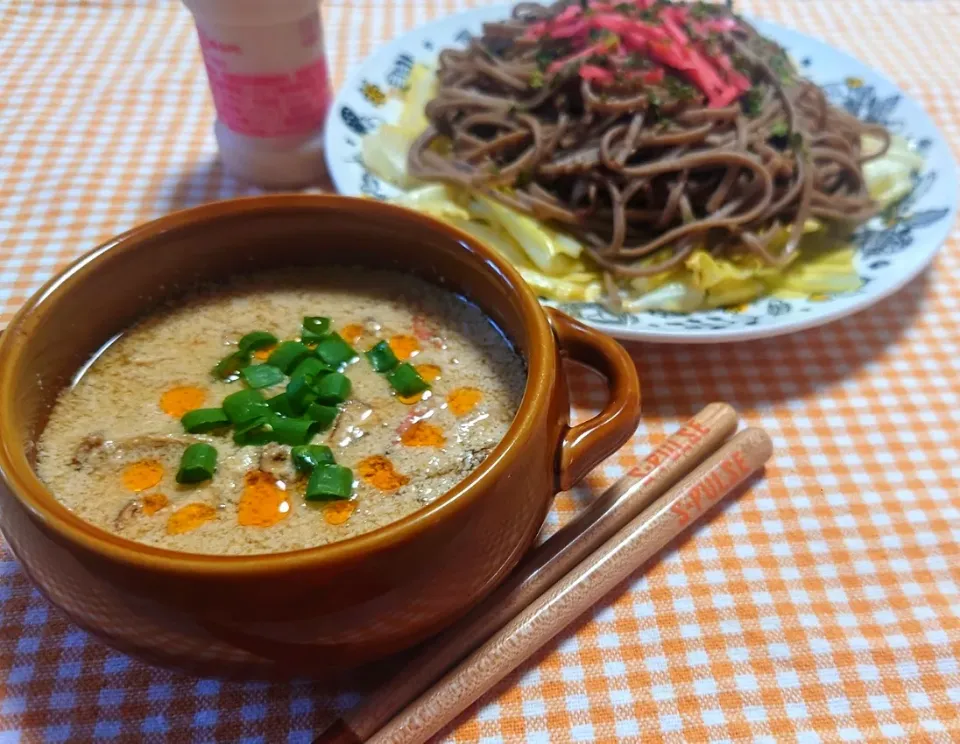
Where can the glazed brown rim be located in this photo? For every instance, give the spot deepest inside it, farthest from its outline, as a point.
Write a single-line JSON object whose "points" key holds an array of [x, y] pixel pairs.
{"points": [[30, 491]]}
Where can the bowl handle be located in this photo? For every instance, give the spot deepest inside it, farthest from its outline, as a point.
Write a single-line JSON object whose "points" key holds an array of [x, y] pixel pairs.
{"points": [[588, 444]]}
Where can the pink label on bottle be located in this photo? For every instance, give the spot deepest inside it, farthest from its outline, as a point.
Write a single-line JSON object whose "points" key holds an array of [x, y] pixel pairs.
{"points": [[267, 105]]}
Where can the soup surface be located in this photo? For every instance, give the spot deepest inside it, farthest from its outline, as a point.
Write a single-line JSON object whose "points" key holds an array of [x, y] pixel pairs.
{"points": [[113, 450]]}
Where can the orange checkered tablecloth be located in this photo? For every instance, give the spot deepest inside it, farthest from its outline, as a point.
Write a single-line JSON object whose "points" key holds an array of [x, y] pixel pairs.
{"points": [[823, 604]]}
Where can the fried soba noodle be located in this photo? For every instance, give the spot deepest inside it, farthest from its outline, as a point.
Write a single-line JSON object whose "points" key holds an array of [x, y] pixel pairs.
{"points": [[645, 129]]}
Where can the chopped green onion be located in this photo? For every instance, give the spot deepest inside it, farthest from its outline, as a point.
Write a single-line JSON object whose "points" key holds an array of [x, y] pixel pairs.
{"points": [[382, 358], [247, 426], [228, 368], [281, 404], [314, 328], [202, 420], [334, 350], [329, 483], [276, 428], [323, 415], [293, 430], [288, 355], [262, 375], [198, 463], [256, 433], [333, 388], [245, 406], [256, 340], [753, 101], [310, 368], [300, 393], [406, 380], [307, 456], [780, 129]]}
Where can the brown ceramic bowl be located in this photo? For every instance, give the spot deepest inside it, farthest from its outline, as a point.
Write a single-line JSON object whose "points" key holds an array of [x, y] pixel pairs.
{"points": [[324, 608]]}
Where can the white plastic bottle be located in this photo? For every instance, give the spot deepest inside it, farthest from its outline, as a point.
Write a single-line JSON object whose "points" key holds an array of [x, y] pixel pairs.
{"points": [[268, 76]]}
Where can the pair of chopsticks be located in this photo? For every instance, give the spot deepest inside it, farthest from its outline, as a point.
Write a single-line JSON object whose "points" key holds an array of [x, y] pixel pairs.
{"points": [[560, 580]]}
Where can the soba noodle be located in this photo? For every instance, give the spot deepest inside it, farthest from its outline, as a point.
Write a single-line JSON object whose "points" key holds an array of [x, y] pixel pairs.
{"points": [[643, 174]]}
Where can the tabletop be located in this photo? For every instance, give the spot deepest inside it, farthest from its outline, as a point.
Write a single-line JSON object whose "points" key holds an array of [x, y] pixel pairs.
{"points": [[822, 604]]}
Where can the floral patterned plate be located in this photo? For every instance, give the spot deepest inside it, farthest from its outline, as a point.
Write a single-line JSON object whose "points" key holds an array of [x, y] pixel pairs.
{"points": [[893, 249]]}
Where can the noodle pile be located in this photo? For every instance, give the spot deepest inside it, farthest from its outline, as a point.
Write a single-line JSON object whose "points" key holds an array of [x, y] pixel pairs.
{"points": [[644, 166]]}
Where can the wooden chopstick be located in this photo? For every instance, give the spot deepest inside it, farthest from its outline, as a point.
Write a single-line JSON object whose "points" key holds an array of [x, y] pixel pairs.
{"points": [[580, 590], [668, 463]]}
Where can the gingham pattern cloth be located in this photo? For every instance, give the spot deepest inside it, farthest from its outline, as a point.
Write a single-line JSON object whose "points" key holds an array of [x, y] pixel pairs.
{"points": [[821, 605]]}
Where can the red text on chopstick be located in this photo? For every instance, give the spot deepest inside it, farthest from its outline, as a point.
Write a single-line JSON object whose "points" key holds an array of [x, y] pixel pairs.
{"points": [[721, 478], [672, 449]]}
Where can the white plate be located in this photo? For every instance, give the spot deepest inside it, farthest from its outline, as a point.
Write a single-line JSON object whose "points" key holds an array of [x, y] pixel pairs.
{"points": [[891, 252]]}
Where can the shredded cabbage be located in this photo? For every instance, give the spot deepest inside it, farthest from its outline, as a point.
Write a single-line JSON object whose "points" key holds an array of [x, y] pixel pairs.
{"points": [[384, 152], [547, 248], [889, 178], [819, 272], [436, 200], [385, 155], [582, 286], [676, 297], [421, 88]]}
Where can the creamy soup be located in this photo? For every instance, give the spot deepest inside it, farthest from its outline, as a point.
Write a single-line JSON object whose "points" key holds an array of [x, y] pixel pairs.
{"points": [[148, 445]]}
